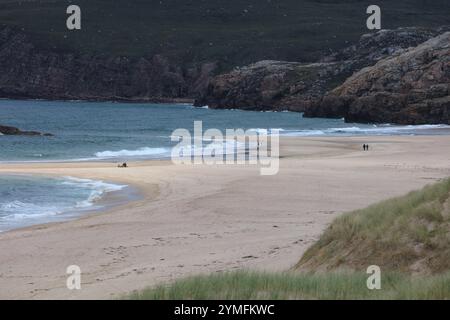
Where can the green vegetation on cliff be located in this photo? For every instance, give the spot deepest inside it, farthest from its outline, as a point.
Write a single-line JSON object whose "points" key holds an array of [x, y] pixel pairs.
{"points": [[235, 32]]}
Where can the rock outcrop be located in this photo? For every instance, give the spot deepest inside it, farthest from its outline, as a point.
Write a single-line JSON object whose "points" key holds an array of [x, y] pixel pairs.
{"points": [[7, 130], [278, 85], [408, 88], [270, 85], [28, 71]]}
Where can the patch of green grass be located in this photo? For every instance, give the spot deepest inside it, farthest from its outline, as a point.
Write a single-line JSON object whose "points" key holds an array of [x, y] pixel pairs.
{"points": [[246, 285], [408, 234]]}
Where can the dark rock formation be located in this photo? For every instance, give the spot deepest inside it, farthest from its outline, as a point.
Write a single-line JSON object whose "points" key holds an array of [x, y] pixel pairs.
{"points": [[7, 130], [277, 85], [31, 72], [269, 85], [373, 47], [409, 88]]}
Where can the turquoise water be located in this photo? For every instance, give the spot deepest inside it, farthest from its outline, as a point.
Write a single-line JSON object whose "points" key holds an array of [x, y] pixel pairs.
{"points": [[27, 200], [106, 130]]}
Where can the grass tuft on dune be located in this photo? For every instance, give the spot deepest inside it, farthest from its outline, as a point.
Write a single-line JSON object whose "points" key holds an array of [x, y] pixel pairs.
{"points": [[246, 285], [409, 234]]}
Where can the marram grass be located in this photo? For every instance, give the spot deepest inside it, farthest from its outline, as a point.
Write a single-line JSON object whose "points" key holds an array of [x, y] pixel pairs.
{"points": [[408, 234], [246, 285]]}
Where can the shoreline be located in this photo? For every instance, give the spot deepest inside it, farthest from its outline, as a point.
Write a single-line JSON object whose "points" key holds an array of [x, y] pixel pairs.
{"points": [[203, 219], [110, 99], [108, 200]]}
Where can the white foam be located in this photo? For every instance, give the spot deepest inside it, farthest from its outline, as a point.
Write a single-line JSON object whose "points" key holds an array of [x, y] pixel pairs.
{"points": [[224, 147], [384, 129], [17, 210], [264, 131], [27, 210], [145, 151], [304, 133], [99, 188]]}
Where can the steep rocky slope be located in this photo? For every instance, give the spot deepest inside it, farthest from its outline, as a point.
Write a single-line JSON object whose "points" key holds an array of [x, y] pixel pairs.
{"points": [[278, 85], [271, 85], [31, 72], [410, 88]]}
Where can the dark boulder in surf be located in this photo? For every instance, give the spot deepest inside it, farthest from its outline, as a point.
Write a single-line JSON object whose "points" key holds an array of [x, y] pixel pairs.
{"points": [[7, 130]]}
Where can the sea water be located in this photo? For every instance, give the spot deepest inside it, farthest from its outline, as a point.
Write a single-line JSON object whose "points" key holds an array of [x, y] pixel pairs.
{"points": [[26, 200], [98, 131], [124, 131]]}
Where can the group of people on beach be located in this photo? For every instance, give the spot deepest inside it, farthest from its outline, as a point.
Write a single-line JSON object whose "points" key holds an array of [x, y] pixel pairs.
{"points": [[365, 147]]}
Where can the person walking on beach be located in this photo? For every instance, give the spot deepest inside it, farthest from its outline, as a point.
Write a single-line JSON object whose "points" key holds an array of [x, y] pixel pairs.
{"points": [[364, 147]]}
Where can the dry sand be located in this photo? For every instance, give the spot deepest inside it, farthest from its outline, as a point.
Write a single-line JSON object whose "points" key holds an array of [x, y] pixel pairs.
{"points": [[202, 219]]}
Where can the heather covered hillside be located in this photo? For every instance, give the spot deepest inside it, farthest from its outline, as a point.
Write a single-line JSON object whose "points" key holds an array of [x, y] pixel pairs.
{"points": [[235, 32]]}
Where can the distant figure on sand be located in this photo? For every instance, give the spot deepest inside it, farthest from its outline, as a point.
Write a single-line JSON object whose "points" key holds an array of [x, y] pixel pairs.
{"points": [[365, 147], [123, 165]]}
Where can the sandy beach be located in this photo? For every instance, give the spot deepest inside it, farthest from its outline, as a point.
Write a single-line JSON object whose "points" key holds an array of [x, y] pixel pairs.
{"points": [[202, 219]]}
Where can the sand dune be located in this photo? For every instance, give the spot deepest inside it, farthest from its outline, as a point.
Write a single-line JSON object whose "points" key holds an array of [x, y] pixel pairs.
{"points": [[205, 219]]}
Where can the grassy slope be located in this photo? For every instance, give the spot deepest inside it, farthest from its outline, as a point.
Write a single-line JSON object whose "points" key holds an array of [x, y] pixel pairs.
{"points": [[409, 234], [256, 286], [235, 32]]}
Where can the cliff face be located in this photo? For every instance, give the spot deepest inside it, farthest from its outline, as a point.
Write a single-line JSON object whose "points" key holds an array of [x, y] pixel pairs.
{"points": [[270, 85], [410, 88], [277, 85], [28, 72]]}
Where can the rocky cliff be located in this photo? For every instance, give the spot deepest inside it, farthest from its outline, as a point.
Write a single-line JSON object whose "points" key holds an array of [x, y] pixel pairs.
{"points": [[370, 81], [31, 72], [412, 87], [271, 85], [276, 85]]}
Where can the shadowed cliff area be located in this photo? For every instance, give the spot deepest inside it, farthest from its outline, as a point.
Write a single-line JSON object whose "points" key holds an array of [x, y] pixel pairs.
{"points": [[234, 32]]}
